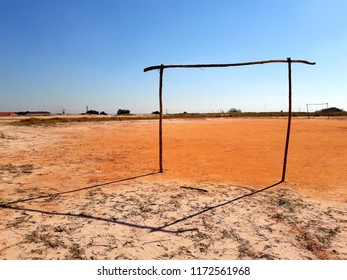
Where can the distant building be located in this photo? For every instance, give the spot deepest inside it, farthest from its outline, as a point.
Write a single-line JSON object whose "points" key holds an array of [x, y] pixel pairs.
{"points": [[8, 114]]}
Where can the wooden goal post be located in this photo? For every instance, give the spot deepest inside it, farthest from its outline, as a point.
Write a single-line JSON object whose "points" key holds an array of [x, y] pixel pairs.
{"points": [[161, 68]]}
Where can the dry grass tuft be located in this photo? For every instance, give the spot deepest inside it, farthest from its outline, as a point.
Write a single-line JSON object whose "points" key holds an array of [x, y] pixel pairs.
{"points": [[16, 169]]}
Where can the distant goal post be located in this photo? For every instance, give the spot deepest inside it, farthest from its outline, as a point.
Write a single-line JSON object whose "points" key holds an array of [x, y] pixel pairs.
{"points": [[326, 104]]}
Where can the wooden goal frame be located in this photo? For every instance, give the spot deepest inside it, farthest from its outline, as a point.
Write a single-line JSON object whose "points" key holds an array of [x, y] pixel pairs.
{"points": [[161, 68]]}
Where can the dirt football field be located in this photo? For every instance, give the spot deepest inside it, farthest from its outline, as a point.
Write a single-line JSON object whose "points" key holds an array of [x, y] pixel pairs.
{"points": [[91, 190]]}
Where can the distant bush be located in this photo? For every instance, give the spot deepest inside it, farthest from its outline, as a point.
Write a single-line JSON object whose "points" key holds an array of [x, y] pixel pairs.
{"points": [[234, 110], [22, 113], [103, 113], [123, 112], [92, 112], [155, 113]]}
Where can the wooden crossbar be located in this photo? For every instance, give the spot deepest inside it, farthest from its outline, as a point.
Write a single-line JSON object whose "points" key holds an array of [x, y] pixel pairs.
{"points": [[157, 67]]}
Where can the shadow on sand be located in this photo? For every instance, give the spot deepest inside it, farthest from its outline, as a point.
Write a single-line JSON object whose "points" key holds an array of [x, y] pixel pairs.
{"points": [[162, 228], [215, 207], [53, 195]]}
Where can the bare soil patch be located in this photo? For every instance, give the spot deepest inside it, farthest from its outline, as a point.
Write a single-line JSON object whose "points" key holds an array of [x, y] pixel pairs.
{"points": [[92, 191]]}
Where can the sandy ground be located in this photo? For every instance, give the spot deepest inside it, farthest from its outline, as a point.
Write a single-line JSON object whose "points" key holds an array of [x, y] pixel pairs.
{"points": [[93, 191]]}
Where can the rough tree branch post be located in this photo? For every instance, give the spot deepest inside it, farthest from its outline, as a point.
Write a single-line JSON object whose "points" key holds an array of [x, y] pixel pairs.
{"points": [[289, 61]]}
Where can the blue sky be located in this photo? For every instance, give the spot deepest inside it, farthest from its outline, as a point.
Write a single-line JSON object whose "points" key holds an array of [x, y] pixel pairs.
{"points": [[69, 54]]}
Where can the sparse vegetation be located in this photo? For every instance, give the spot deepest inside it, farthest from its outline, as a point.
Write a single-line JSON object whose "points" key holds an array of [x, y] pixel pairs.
{"points": [[285, 202], [243, 238], [16, 169], [39, 121], [49, 240], [18, 221], [6, 137], [63, 120], [55, 121], [76, 252]]}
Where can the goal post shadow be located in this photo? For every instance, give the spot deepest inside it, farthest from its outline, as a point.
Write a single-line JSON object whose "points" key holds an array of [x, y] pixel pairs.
{"points": [[289, 62]]}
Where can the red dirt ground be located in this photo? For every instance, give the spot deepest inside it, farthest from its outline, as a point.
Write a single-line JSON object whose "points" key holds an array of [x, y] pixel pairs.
{"points": [[237, 151]]}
